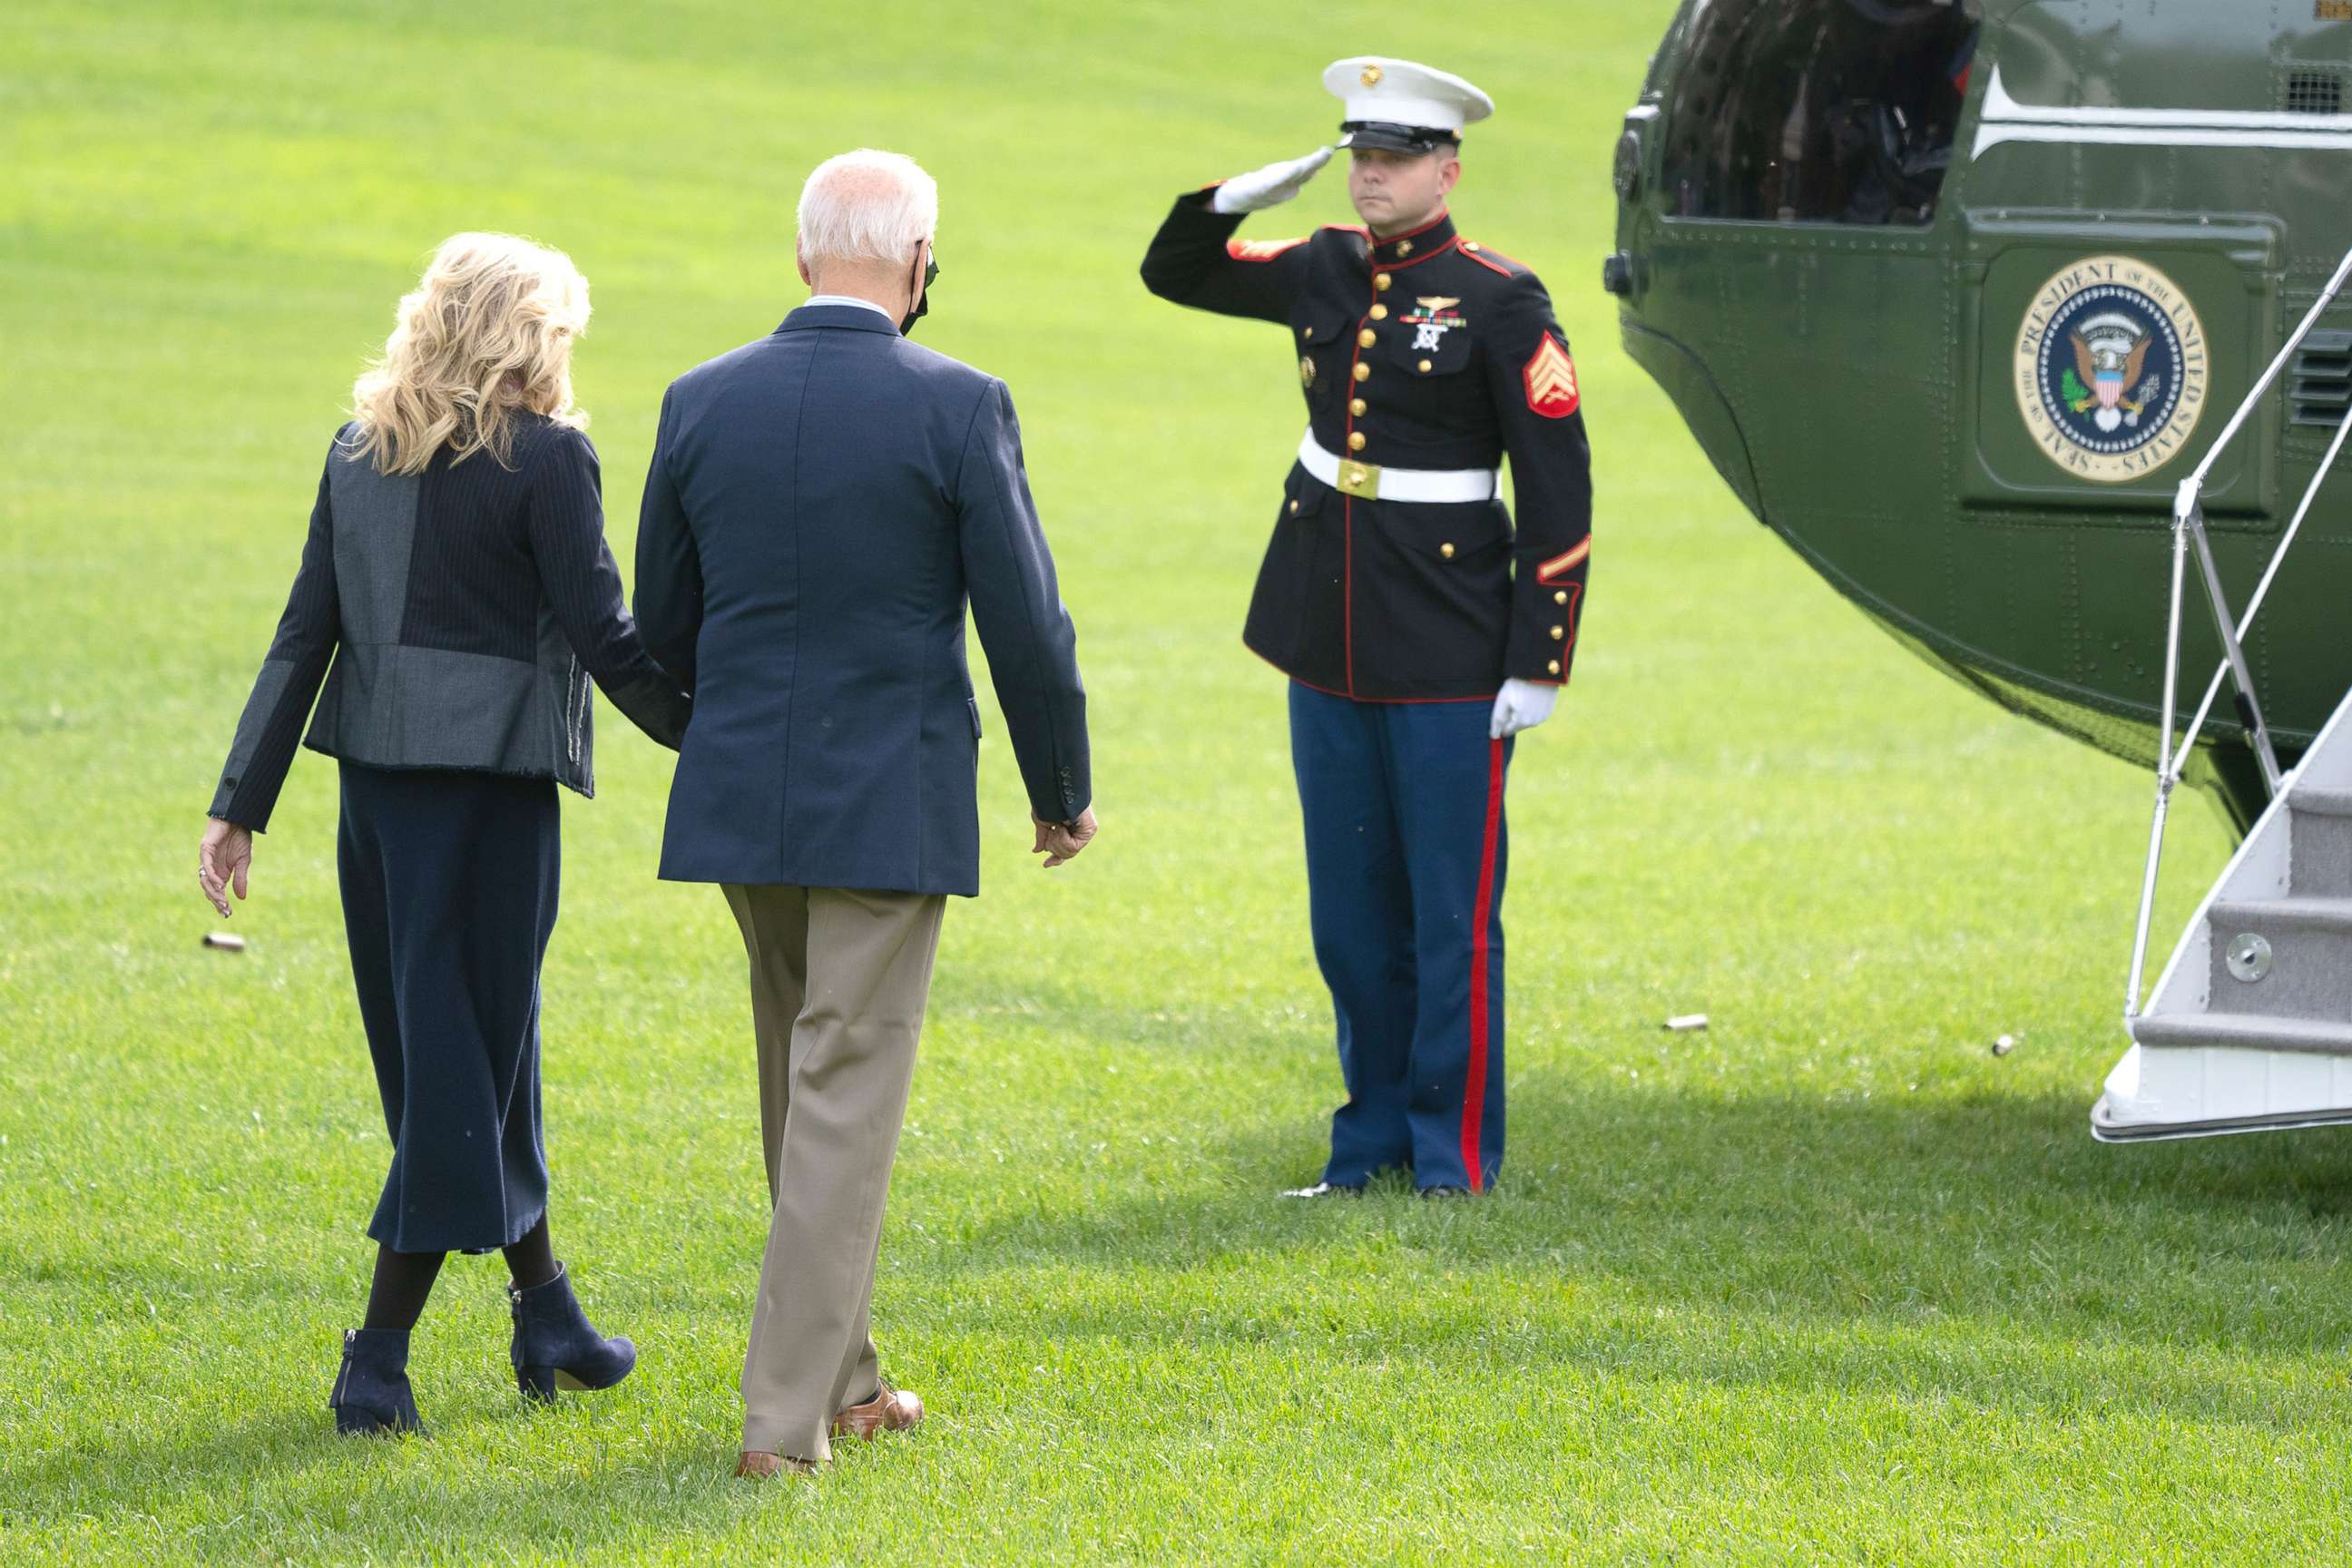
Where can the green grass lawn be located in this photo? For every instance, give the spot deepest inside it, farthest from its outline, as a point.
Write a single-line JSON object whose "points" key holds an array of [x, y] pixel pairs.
{"points": [[1829, 1281]]}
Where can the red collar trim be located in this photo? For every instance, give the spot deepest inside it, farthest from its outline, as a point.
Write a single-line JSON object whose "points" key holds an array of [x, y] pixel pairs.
{"points": [[1383, 249], [1443, 214], [1418, 257]]}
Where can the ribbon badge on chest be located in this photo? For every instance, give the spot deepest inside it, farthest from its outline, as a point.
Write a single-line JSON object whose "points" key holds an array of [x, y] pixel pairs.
{"points": [[1432, 320]]}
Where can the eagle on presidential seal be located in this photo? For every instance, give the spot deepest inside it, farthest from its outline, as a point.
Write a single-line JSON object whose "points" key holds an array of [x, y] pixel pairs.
{"points": [[2110, 350]]}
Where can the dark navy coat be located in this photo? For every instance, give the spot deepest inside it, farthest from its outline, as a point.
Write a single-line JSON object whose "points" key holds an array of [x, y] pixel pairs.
{"points": [[821, 505]]}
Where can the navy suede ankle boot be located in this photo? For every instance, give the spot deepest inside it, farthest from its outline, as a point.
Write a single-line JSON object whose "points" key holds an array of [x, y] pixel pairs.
{"points": [[555, 1345], [371, 1395]]}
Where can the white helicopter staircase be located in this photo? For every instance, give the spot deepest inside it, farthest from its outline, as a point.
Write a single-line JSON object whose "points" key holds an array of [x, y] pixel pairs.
{"points": [[2250, 1025]]}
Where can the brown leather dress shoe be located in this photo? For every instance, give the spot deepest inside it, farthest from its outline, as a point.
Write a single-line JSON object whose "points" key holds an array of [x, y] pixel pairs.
{"points": [[890, 1410], [764, 1467]]}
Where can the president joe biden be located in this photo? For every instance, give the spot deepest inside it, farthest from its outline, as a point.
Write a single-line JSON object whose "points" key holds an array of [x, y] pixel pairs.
{"points": [[823, 505]]}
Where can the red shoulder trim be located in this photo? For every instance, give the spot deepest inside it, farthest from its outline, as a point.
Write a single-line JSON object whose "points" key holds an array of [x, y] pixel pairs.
{"points": [[1350, 228], [1481, 256], [1260, 250]]}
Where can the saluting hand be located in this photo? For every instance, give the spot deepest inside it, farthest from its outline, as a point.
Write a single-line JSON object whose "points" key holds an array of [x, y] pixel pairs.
{"points": [[224, 856], [1270, 187], [1060, 842]]}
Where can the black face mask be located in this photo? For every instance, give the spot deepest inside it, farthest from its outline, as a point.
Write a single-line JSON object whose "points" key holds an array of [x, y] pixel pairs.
{"points": [[923, 304]]}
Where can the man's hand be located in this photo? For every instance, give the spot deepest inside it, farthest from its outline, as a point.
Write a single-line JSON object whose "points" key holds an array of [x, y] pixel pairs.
{"points": [[1521, 705], [1059, 842], [225, 856], [1270, 187]]}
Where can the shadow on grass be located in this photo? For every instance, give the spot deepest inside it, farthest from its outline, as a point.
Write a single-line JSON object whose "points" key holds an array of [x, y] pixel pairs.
{"points": [[1986, 1251], [1977, 1249], [1704, 1182], [285, 1487], [1987, 1212]]}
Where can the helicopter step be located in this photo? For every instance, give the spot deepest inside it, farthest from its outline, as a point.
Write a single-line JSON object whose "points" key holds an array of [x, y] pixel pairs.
{"points": [[2321, 843], [2251, 1025], [2281, 958]]}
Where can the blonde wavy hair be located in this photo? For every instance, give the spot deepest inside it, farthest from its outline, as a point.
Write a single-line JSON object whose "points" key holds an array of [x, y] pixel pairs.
{"points": [[485, 335]]}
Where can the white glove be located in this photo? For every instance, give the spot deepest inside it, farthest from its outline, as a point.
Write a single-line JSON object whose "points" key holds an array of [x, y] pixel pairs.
{"points": [[1521, 705], [1270, 187]]}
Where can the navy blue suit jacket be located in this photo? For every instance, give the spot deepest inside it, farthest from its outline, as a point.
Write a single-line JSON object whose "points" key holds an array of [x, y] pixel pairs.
{"points": [[822, 504]]}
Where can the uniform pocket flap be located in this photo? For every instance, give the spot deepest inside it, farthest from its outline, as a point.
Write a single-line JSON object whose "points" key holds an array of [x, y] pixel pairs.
{"points": [[1425, 349], [1303, 495], [1456, 533]]}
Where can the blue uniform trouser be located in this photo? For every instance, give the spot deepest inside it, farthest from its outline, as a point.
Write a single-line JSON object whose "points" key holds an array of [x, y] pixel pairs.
{"points": [[1405, 857]]}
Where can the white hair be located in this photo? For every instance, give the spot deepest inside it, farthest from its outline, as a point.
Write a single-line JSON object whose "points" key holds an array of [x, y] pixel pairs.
{"points": [[867, 206]]}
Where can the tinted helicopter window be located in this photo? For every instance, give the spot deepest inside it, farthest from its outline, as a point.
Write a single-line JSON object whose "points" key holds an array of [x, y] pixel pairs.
{"points": [[1817, 111]]}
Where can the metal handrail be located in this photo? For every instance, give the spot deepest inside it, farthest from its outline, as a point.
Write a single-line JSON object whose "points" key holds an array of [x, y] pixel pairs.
{"points": [[2188, 530]]}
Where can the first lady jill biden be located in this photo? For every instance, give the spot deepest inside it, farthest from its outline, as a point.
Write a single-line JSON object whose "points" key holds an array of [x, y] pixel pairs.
{"points": [[456, 576]]}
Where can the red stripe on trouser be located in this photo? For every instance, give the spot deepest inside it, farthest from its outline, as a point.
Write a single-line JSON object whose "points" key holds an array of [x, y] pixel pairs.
{"points": [[1474, 1085]]}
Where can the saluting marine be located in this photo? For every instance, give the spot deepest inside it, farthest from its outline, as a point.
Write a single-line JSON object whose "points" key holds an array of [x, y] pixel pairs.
{"points": [[1420, 629]]}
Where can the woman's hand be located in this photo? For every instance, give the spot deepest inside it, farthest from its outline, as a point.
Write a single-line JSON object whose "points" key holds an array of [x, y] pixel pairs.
{"points": [[226, 856]]}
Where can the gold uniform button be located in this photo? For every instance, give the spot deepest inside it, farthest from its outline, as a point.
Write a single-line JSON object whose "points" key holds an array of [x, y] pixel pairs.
{"points": [[1365, 339], [1469, 245], [1380, 282], [1553, 667], [1447, 551], [1424, 367], [1560, 597], [1363, 370], [1379, 312], [1355, 440], [1305, 332], [1356, 405], [1557, 633], [1293, 509]]}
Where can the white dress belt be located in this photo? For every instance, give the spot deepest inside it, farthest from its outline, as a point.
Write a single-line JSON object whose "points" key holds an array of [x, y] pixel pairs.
{"points": [[1397, 484]]}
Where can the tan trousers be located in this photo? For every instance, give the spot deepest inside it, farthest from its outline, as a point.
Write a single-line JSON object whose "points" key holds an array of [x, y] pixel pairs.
{"points": [[838, 983]]}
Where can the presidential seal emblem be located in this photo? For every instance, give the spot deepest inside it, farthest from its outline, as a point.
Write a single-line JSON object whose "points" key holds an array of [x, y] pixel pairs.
{"points": [[2111, 368]]}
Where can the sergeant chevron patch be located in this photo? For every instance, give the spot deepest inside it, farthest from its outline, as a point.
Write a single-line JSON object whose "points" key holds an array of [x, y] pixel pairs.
{"points": [[1550, 376], [1259, 249]]}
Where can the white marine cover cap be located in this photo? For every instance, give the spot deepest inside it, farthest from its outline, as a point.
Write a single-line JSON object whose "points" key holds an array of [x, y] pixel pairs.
{"points": [[1401, 105]]}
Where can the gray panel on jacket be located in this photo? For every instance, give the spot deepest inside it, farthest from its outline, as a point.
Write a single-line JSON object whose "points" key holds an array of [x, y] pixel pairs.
{"points": [[375, 529], [435, 707]]}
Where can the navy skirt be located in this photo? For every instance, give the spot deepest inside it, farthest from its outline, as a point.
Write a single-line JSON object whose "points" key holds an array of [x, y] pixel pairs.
{"points": [[449, 883]]}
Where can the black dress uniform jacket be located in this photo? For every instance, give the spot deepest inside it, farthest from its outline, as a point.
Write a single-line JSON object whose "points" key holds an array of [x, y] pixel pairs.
{"points": [[1377, 599]]}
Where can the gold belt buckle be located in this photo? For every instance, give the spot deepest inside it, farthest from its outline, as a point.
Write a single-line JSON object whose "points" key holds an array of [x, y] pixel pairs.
{"points": [[1361, 481]]}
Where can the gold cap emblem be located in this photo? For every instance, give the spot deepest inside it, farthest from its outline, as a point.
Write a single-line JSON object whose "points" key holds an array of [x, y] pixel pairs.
{"points": [[1371, 76]]}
